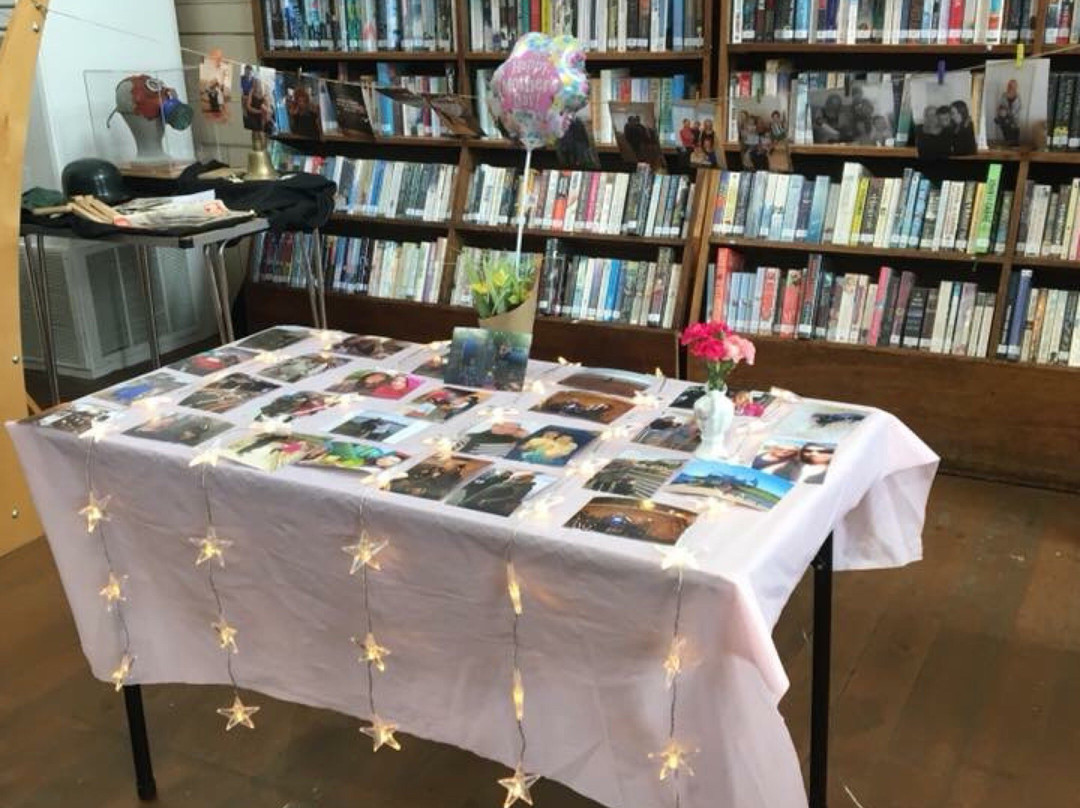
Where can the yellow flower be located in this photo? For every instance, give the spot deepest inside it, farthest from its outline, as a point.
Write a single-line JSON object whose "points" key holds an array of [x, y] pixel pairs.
{"points": [[480, 288], [499, 278]]}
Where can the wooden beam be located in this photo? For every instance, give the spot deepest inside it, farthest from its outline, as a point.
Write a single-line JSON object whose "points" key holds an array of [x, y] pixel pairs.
{"points": [[18, 57]]}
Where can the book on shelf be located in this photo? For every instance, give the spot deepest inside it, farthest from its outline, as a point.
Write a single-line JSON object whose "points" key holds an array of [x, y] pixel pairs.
{"points": [[363, 26], [906, 212], [599, 25], [1049, 226], [1041, 325], [391, 189], [389, 117], [891, 22], [815, 302], [642, 203], [364, 266], [581, 287]]}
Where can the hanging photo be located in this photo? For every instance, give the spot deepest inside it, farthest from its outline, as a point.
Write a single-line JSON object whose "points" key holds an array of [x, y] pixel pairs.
{"points": [[694, 124], [215, 87], [257, 98], [350, 109], [576, 148], [863, 113], [941, 114], [1014, 103], [764, 136], [634, 124]]}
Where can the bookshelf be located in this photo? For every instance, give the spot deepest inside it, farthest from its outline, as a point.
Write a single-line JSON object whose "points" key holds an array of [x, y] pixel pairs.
{"points": [[596, 343], [984, 415]]}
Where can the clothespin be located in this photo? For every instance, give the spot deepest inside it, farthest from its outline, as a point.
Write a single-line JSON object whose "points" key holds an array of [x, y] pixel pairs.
{"points": [[941, 71], [1019, 54]]}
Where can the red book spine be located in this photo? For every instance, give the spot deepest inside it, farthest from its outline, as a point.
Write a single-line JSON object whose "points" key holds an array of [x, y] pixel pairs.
{"points": [[594, 190], [884, 276], [768, 301], [534, 15], [956, 21], [721, 283], [790, 311]]}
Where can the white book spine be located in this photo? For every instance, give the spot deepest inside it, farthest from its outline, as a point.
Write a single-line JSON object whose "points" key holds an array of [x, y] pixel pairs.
{"points": [[941, 317], [1037, 220]]}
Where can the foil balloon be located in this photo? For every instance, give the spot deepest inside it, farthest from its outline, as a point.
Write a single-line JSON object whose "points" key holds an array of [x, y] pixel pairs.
{"points": [[537, 90]]}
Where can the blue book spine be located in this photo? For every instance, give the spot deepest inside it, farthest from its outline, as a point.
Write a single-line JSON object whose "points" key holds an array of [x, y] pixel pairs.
{"points": [[802, 20], [677, 41], [918, 217], [791, 207], [1019, 318], [753, 207], [816, 228], [614, 279], [393, 25], [909, 211], [907, 188], [905, 18], [831, 9], [927, 23], [1002, 351], [734, 317], [384, 76], [376, 188]]}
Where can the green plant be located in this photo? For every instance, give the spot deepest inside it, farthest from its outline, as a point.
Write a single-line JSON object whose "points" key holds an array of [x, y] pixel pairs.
{"points": [[497, 285]]}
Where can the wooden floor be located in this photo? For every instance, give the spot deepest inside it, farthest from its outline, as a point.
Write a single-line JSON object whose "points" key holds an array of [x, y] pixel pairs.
{"points": [[956, 683]]}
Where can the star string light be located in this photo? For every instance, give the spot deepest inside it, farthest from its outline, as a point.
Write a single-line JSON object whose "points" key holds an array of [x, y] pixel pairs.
{"points": [[364, 553], [382, 733], [517, 787], [674, 758], [120, 675], [112, 591], [371, 652], [226, 635], [209, 456], [94, 511], [211, 547], [238, 713]]}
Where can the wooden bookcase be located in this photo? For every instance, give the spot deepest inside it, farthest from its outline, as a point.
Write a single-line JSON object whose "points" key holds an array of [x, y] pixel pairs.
{"points": [[984, 416], [594, 343]]}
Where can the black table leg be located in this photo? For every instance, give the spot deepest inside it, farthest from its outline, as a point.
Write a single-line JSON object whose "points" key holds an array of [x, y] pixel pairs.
{"points": [[819, 682], [140, 744]]}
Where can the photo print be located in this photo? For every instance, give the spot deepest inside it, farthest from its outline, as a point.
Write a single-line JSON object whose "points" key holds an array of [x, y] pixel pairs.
{"points": [[583, 404], [863, 113], [551, 445], [636, 133], [1015, 103], [227, 392], [381, 427], [434, 364], [444, 403], [436, 477], [149, 386], [215, 87], [299, 94], [350, 109], [300, 404], [298, 368], [75, 417], [352, 456], [273, 339], [640, 519], [269, 452], [208, 362], [763, 131], [455, 114], [368, 346], [694, 125], [941, 114], [613, 382], [500, 491], [257, 102], [740, 485], [493, 440], [671, 431], [389, 384], [635, 473], [819, 422], [494, 360], [576, 149], [800, 461], [184, 428]]}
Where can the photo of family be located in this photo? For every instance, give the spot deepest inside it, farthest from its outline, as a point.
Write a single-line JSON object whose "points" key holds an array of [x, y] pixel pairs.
{"points": [[800, 461], [351, 456], [296, 405], [671, 431], [551, 445], [155, 384], [941, 114], [588, 406], [694, 125], [764, 138], [636, 135], [434, 365], [273, 339], [864, 114], [227, 392], [271, 452], [500, 491], [382, 427], [1015, 103], [377, 384], [633, 519], [184, 428], [494, 360], [369, 347], [208, 362], [75, 417], [494, 440], [215, 87], [738, 484], [444, 403], [297, 368], [436, 477], [634, 473], [257, 100]]}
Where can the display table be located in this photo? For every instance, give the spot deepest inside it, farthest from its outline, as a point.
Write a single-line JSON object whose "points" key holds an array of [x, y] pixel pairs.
{"points": [[596, 625]]}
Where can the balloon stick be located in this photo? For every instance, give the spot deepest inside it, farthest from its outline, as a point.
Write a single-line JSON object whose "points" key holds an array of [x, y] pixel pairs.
{"points": [[523, 203]]}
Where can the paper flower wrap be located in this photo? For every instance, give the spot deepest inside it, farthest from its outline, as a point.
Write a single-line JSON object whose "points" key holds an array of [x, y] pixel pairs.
{"points": [[539, 87]]}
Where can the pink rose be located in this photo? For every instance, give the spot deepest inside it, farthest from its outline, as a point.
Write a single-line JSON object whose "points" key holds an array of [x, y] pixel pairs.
{"points": [[739, 349]]}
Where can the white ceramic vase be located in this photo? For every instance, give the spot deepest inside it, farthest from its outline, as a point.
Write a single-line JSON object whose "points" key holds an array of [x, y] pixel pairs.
{"points": [[715, 413]]}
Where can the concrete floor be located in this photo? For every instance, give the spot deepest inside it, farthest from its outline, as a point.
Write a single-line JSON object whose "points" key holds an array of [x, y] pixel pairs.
{"points": [[956, 683]]}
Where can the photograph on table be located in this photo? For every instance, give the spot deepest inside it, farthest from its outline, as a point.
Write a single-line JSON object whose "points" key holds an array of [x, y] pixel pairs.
{"points": [[551, 445], [741, 485], [297, 368], [1015, 103], [671, 431], [764, 136], [269, 452], [257, 100], [389, 384], [941, 114], [350, 109], [636, 133], [444, 403], [227, 392], [635, 473], [494, 360], [609, 381], [203, 364], [149, 386], [433, 365], [298, 404], [641, 519], [748, 403], [583, 404], [694, 125], [368, 346], [863, 113], [352, 455], [382, 427], [500, 491], [436, 477], [184, 428], [495, 440], [215, 88], [818, 422], [801, 461], [274, 339], [75, 417]]}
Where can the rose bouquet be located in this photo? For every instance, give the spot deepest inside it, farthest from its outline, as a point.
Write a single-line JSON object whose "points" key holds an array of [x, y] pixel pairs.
{"points": [[720, 347]]}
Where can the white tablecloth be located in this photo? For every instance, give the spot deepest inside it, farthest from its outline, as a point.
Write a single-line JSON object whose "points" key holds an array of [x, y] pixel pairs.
{"points": [[598, 609]]}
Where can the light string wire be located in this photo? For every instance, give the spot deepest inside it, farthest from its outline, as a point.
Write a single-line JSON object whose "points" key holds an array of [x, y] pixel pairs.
{"points": [[675, 674]]}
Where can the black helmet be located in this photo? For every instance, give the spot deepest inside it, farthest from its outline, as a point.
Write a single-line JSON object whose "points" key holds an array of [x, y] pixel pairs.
{"points": [[94, 177]]}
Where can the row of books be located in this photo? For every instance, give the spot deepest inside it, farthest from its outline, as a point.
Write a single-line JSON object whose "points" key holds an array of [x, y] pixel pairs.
{"points": [[614, 203], [1040, 325], [391, 189], [611, 290], [392, 118], [1063, 112], [1048, 221], [908, 212], [375, 267], [359, 25], [817, 303], [929, 22], [599, 25]]}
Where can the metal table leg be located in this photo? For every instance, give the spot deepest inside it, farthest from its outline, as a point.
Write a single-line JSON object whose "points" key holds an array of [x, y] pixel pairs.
{"points": [[215, 292], [223, 292], [140, 743], [142, 255], [820, 677], [37, 276]]}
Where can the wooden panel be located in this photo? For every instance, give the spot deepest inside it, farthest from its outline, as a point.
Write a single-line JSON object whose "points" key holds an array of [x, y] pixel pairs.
{"points": [[999, 420]]}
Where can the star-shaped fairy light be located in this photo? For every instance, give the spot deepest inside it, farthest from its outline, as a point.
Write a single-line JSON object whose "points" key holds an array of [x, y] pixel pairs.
{"points": [[382, 479], [517, 787], [438, 345], [211, 547], [712, 508], [498, 415], [152, 405], [238, 713], [677, 558], [442, 446], [268, 357], [226, 634], [535, 386], [382, 733], [94, 511], [674, 760], [518, 694], [328, 338], [566, 363], [673, 663], [112, 591], [371, 651], [120, 676], [208, 456], [345, 399], [646, 401], [272, 426], [513, 587], [97, 432], [363, 553], [584, 469], [539, 509], [616, 432]]}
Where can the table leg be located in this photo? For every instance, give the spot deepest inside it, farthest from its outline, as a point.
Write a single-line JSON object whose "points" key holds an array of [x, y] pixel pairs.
{"points": [[142, 255], [38, 278], [140, 744], [321, 276], [820, 677], [215, 292], [311, 287], [223, 292]]}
